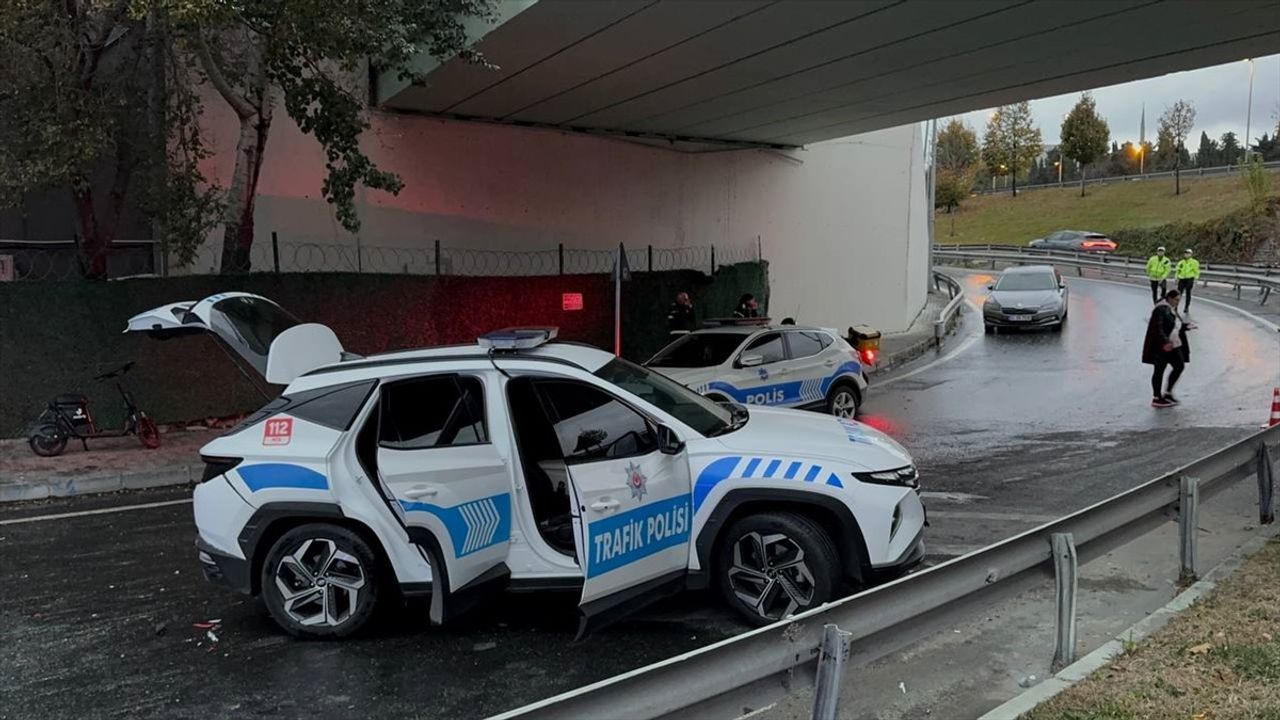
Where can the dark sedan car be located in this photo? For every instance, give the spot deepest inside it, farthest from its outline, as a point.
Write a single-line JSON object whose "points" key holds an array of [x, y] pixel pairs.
{"points": [[1026, 297], [1077, 240]]}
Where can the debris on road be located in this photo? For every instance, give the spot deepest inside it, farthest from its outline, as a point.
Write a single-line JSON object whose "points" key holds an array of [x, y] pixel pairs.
{"points": [[481, 647], [161, 628]]}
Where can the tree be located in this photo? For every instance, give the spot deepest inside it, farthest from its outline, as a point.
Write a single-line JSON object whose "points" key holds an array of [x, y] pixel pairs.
{"points": [[1207, 154], [1084, 135], [1175, 125], [307, 57], [957, 147], [92, 101], [1010, 142], [1267, 147], [1231, 153]]}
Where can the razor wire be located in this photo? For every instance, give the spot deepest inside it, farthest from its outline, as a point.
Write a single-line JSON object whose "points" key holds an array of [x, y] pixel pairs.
{"points": [[39, 261]]}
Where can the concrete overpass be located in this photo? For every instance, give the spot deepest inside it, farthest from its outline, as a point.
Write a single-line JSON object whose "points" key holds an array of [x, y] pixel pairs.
{"points": [[795, 72]]}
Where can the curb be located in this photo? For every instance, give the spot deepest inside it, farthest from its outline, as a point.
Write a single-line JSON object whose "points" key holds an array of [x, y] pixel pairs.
{"points": [[95, 484], [1087, 665]]}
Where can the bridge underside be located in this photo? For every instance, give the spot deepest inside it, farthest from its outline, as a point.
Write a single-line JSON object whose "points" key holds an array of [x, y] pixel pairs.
{"points": [[791, 73]]}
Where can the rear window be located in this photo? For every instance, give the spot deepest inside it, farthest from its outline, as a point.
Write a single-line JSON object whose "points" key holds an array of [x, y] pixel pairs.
{"points": [[333, 407], [806, 343], [698, 350], [249, 324]]}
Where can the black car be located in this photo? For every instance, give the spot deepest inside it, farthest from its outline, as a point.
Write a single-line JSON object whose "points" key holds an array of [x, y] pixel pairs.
{"points": [[1077, 240]]}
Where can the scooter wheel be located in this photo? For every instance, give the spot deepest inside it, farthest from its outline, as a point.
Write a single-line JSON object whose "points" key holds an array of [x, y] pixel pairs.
{"points": [[148, 433], [47, 441]]}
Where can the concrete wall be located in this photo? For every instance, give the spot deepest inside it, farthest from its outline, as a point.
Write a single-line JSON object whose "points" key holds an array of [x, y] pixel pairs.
{"points": [[842, 223]]}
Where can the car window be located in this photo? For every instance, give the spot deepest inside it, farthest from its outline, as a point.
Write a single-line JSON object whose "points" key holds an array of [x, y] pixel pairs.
{"points": [[593, 425], [805, 343], [767, 346], [698, 350], [687, 406], [248, 325], [432, 412]]}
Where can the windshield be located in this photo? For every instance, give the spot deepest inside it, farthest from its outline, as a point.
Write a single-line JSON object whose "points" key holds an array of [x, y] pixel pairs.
{"points": [[707, 417], [698, 350], [1027, 281]]}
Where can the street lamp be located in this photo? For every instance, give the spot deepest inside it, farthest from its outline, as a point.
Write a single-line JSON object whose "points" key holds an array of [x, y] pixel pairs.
{"points": [[1248, 116], [1058, 165]]}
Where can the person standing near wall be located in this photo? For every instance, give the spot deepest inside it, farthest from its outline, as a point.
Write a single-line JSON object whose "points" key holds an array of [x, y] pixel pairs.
{"points": [[747, 307], [680, 317], [1158, 273], [1188, 271]]}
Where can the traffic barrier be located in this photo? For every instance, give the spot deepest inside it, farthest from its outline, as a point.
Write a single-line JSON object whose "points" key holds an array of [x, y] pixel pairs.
{"points": [[1275, 409], [750, 671]]}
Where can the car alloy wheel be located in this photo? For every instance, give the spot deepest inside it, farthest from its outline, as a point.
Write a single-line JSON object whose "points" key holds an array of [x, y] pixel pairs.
{"points": [[319, 583], [844, 404], [770, 574]]}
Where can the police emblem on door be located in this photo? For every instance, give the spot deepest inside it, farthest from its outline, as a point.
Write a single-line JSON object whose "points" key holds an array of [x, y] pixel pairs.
{"points": [[636, 480]]}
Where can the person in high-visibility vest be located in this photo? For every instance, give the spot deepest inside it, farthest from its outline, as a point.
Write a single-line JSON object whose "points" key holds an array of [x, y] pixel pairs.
{"points": [[1158, 273], [1188, 271]]}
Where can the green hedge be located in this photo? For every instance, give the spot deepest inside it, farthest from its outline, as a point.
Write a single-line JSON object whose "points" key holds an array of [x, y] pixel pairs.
{"points": [[1232, 238], [54, 336]]}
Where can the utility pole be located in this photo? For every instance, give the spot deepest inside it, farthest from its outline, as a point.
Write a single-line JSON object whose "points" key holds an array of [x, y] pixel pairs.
{"points": [[1013, 166], [1248, 116]]}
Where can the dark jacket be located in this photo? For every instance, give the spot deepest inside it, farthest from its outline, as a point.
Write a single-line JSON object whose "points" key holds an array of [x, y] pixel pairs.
{"points": [[680, 318], [1159, 330], [742, 311]]}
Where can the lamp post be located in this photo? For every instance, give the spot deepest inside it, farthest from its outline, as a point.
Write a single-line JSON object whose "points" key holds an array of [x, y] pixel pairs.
{"points": [[1248, 115], [1058, 164]]}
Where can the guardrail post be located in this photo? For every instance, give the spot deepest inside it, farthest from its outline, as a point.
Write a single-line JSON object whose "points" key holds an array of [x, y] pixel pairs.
{"points": [[1065, 568], [1266, 487], [1188, 527], [1266, 293], [831, 656]]}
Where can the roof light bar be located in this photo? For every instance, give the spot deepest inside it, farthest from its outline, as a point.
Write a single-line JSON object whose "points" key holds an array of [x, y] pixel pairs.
{"points": [[518, 338]]}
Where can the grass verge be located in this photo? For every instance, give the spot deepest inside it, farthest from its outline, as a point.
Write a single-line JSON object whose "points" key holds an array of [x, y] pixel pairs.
{"points": [[1004, 220], [1218, 660]]}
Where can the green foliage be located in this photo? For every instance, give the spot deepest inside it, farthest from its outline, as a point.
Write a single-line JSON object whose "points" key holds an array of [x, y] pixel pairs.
{"points": [[1011, 143], [952, 187], [1231, 153], [1232, 238], [1257, 182], [957, 147], [1084, 134]]}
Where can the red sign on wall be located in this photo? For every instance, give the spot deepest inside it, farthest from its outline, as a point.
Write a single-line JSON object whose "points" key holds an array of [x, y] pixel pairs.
{"points": [[277, 431], [571, 301]]}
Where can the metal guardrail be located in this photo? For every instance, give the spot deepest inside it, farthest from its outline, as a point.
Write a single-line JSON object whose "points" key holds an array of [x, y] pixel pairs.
{"points": [[752, 670], [947, 316], [1190, 172], [1266, 279]]}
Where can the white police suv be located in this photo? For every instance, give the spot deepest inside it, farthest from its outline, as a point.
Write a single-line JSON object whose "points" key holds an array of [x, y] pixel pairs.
{"points": [[785, 366], [518, 463]]}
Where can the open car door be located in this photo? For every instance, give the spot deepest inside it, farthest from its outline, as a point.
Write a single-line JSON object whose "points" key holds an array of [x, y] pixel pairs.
{"points": [[631, 511], [448, 484], [270, 340]]}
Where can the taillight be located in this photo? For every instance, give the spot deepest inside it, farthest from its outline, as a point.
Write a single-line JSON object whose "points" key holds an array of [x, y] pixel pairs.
{"points": [[215, 466], [868, 356]]}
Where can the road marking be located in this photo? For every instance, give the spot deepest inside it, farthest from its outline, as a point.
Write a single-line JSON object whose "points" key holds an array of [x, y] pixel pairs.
{"points": [[1196, 298], [968, 343], [99, 511], [1014, 517], [957, 497]]}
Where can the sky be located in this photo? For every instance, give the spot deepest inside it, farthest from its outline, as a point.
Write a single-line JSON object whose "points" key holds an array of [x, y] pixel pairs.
{"points": [[1219, 93]]}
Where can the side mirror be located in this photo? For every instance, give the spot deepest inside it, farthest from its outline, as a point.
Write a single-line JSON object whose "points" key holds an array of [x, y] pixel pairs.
{"points": [[751, 360], [668, 442], [990, 288]]}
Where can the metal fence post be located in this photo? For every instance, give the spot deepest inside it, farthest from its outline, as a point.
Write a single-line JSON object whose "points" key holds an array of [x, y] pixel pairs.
{"points": [[1266, 487], [831, 656], [560, 254], [713, 259], [275, 252], [650, 258], [438, 271], [1065, 568], [1188, 524]]}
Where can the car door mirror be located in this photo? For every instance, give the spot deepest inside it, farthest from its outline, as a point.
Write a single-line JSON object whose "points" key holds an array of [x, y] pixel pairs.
{"points": [[990, 288], [751, 360], [668, 442]]}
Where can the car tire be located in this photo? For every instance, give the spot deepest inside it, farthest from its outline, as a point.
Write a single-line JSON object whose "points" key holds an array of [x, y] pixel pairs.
{"points": [[775, 564], [321, 581], [843, 396], [989, 329]]}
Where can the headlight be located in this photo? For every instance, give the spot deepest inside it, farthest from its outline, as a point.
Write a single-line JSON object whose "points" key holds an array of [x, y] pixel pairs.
{"points": [[902, 477]]}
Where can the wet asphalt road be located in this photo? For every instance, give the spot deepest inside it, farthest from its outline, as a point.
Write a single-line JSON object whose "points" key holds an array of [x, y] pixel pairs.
{"points": [[97, 615]]}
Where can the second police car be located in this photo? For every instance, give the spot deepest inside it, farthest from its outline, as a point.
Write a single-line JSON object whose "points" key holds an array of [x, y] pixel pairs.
{"points": [[520, 463], [786, 366]]}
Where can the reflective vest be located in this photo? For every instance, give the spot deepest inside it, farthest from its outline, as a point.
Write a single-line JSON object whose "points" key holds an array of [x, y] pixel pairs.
{"points": [[1188, 269], [1158, 267]]}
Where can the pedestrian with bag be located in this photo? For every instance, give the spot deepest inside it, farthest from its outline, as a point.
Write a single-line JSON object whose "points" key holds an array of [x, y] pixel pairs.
{"points": [[1158, 267], [1188, 271], [1166, 347]]}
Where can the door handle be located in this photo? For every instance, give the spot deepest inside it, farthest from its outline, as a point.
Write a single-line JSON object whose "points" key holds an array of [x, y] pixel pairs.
{"points": [[422, 491], [605, 505], [830, 363]]}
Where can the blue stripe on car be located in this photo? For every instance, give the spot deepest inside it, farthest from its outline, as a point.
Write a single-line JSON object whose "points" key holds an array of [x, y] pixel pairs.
{"points": [[473, 525], [721, 469], [270, 476]]}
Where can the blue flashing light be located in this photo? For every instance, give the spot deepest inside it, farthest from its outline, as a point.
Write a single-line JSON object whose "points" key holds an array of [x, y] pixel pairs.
{"points": [[519, 338]]}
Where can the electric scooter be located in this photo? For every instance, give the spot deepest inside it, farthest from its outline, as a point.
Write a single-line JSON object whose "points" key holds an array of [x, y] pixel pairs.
{"points": [[67, 416]]}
